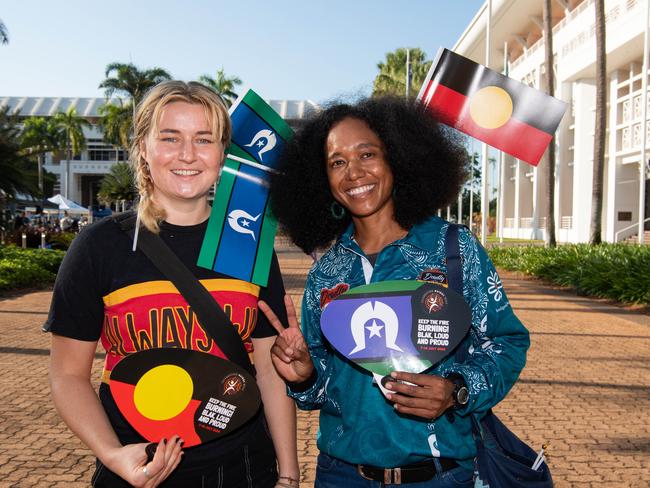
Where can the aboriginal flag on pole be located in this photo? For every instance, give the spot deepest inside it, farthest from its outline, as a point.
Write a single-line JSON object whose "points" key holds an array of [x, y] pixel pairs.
{"points": [[241, 231], [491, 107]]}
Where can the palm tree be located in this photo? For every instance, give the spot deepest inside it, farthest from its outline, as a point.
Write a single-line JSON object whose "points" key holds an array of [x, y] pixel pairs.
{"points": [[116, 125], [127, 79], [117, 185], [223, 85], [40, 136], [599, 135], [391, 79], [549, 172], [15, 174], [4, 33], [75, 141]]}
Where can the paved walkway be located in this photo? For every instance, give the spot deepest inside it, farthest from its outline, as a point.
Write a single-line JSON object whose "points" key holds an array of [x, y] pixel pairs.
{"points": [[585, 390]]}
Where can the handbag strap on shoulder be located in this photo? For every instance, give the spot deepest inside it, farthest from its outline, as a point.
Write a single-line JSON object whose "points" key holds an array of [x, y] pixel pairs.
{"points": [[210, 314]]}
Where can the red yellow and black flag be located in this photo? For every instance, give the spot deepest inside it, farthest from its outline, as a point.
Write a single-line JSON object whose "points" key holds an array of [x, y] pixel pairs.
{"points": [[491, 107]]}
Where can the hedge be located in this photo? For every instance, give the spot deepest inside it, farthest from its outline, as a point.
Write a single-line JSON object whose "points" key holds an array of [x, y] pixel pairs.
{"points": [[27, 268], [617, 271]]}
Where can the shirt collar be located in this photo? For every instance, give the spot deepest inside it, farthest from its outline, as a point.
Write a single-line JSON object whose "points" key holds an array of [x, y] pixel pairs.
{"points": [[422, 235]]}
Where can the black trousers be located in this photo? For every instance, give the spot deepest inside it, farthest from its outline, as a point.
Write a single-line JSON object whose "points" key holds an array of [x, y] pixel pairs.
{"points": [[252, 465]]}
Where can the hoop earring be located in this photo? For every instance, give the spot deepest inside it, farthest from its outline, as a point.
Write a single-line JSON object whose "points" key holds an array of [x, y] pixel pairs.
{"points": [[337, 211]]}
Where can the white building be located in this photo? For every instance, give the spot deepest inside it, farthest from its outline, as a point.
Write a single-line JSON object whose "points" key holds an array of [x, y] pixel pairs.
{"points": [[87, 169], [516, 29]]}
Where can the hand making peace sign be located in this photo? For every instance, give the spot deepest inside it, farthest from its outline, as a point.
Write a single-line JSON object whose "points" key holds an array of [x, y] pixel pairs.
{"points": [[289, 353]]}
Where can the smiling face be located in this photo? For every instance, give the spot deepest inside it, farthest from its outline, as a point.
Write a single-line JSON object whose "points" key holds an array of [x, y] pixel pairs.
{"points": [[359, 176], [183, 155]]}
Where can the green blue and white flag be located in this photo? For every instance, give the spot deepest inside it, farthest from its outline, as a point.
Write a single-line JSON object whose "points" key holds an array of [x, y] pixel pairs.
{"points": [[241, 230]]}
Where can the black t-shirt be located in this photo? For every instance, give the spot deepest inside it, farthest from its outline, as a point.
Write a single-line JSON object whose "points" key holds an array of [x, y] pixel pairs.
{"points": [[106, 291]]}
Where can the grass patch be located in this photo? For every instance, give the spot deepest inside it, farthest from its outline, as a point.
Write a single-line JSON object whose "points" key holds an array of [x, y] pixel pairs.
{"points": [[617, 271]]}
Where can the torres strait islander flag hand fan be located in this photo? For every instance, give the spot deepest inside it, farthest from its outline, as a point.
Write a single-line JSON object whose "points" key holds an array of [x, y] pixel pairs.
{"points": [[241, 230], [396, 325], [491, 107], [168, 391]]}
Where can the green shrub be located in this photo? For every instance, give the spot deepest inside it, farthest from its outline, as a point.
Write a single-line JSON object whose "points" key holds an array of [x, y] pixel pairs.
{"points": [[61, 240], [617, 271], [21, 268]]}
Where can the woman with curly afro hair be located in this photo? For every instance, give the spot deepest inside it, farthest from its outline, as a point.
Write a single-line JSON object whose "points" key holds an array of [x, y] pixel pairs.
{"points": [[370, 177]]}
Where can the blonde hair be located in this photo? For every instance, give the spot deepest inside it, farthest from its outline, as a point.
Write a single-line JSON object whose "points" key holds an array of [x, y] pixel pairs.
{"points": [[145, 123]]}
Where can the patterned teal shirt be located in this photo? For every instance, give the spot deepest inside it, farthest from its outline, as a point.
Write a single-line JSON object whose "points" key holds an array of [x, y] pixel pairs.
{"points": [[357, 424]]}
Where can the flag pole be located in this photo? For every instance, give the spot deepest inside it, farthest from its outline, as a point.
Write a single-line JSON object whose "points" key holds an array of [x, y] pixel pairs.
{"points": [[471, 188], [485, 201], [644, 122], [408, 71], [502, 169]]}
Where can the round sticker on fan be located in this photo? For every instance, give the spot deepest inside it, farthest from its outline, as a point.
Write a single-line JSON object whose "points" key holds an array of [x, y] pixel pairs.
{"points": [[168, 391], [396, 325]]}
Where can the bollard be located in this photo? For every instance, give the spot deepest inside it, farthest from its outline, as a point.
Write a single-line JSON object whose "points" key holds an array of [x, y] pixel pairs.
{"points": [[24, 241], [42, 240]]}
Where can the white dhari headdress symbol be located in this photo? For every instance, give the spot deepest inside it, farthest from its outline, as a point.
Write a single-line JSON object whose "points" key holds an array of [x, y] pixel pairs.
{"points": [[233, 221], [265, 140], [380, 311]]}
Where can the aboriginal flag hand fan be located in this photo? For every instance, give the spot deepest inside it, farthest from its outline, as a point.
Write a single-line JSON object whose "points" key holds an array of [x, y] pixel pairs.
{"points": [[167, 391]]}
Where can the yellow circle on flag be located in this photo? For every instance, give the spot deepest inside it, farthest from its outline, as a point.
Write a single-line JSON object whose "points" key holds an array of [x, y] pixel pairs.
{"points": [[163, 392], [490, 107]]}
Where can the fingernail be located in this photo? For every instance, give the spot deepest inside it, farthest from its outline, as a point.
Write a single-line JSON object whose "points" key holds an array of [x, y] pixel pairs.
{"points": [[388, 385], [393, 374], [164, 441], [389, 396], [182, 442]]}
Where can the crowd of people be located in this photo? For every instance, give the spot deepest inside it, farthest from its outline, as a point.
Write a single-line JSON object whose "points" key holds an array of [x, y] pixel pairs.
{"points": [[33, 227]]}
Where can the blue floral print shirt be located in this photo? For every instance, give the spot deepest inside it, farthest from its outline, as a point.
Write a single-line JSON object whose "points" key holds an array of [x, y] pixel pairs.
{"points": [[357, 424]]}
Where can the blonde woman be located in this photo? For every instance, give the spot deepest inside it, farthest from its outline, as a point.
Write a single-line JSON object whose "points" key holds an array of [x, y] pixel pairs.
{"points": [[106, 291]]}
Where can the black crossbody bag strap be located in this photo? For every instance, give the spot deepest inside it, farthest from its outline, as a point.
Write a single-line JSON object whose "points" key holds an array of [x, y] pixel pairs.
{"points": [[454, 264], [455, 275], [210, 314]]}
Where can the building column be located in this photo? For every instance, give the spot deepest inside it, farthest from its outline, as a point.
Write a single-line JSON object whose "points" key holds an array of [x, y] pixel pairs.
{"points": [[517, 196]]}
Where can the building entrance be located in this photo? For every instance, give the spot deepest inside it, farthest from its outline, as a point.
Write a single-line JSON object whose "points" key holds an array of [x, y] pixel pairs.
{"points": [[89, 189]]}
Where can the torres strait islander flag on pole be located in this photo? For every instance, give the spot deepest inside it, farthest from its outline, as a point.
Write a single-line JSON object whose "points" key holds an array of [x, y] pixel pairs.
{"points": [[491, 107], [241, 231]]}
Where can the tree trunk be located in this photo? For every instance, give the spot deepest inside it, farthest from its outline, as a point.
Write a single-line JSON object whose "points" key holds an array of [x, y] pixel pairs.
{"points": [[549, 172], [599, 133], [40, 173], [67, 167]]}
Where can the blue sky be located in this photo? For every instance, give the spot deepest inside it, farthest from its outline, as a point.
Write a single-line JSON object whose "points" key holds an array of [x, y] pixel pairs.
{"points": [[284, 49]]}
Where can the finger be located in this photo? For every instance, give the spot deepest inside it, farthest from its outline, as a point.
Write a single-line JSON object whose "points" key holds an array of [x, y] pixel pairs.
{"points": [[408, 401], [292, 317], [410, 390], [175, 456], [427, 414], [279, 352], [174, 444], [417, 379], [271, 317], [158, 462]]}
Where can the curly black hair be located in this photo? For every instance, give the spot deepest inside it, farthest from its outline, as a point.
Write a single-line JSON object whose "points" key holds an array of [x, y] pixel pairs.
{"points": [[427, 161]]}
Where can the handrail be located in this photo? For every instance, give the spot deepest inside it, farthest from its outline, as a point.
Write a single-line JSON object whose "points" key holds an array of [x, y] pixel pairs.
{"points": [[629, 227]]}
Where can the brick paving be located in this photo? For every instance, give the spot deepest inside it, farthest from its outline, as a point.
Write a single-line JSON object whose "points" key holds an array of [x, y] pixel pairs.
{"points": [[585, 390]]}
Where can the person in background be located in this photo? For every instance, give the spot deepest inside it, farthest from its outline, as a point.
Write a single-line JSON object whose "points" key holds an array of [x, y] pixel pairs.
{"points": [[66, 222]]}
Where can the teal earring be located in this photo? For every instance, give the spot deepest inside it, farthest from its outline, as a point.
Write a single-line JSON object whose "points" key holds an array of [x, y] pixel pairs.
{"points": [[337, 211]]}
